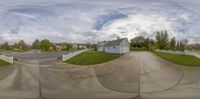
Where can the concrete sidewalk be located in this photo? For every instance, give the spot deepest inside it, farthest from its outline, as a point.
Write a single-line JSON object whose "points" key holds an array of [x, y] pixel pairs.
{"points": [[119, 78]]}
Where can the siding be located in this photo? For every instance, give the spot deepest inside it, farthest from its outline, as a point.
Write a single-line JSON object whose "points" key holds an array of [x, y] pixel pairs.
{"points": [[113, 49], [99, 48], [123, 47]]}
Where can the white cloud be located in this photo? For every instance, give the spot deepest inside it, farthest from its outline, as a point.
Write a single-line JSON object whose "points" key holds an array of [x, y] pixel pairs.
{"points": [[91, 21]]}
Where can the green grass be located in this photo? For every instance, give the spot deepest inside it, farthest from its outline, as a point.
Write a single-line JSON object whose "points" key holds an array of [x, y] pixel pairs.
{"points": [[180, 59], [3, 63], [91, 58]]}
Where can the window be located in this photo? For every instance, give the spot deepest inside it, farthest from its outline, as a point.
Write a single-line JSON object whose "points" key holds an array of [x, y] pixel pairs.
{"points": [[113, 47]]}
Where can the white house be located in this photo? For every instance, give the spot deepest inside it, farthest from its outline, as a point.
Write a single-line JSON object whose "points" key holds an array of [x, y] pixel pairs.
{"points": [[120, 46]]}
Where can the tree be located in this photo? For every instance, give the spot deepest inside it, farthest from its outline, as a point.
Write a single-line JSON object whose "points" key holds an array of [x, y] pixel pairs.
{"points": [[173, 43], [138, 41], [5, 46], [36, 44], [162, 39], [22, 45], [68, 47], [183, 44], [45, 45], [142, 42]]}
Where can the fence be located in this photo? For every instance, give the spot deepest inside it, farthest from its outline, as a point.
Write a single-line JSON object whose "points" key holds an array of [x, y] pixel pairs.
{"points": [[186, 52], [70, 55], [7, 59]]}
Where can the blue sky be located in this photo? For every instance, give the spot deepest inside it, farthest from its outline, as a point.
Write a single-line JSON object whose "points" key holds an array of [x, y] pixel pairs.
{"points": [[93, 21]]}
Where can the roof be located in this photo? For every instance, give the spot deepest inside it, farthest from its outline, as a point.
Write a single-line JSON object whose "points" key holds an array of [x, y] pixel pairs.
{"points": [[115, 42]]}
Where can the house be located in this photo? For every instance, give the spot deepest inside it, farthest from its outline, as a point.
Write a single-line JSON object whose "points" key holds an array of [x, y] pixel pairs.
{"points": [[59, 46], [121, 45], [51, 48], [82, 46], [74, 46]]}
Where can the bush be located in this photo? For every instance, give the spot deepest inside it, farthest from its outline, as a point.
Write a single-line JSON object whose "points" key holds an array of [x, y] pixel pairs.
{"points": [[138, 49]]}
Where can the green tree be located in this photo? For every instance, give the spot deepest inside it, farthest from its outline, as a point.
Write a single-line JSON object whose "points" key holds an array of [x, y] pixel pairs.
{"points": [[138, 41], [22, 45], [173, 43], [5, 46], [183, 44], [162, 39], [36, 44], [142, 42], [68, 46], [45, 45]]}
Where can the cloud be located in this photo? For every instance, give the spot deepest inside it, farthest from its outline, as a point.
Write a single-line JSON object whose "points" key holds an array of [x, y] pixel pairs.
{"points": [[93, 21]]}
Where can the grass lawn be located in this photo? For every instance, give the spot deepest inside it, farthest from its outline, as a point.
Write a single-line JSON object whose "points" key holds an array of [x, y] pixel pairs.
{"points": [[2, 63], [180, 59], [91, 58]]}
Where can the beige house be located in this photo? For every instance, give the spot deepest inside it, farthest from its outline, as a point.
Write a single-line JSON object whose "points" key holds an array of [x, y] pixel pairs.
{"points": [[59, 46], [74, 46]]}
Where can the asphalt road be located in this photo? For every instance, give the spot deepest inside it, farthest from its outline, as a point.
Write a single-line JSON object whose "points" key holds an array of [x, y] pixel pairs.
{"points": [[36, 54], [124, 78]]}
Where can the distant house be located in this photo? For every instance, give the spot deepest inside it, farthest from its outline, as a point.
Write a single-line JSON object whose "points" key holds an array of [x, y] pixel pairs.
{"points": [[82, 46], [74, 46], [59, 46], [120, 46]]}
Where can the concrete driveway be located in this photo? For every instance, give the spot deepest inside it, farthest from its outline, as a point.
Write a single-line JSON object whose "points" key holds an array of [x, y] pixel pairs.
{"points": [[160, 79], [124, 78], [68, 81]]}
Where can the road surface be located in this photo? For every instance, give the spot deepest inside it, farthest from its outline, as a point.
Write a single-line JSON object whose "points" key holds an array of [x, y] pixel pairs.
{"points": [[133, 74]]}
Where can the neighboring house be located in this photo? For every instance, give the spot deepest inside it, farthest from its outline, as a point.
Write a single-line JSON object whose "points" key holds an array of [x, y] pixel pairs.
{"points": [[120, 46], [51, 48], [74, 46], [82, 46], [59, 46]]}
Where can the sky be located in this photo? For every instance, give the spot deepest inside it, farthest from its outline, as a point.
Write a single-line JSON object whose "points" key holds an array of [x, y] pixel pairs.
{"points": [[83, 21]]}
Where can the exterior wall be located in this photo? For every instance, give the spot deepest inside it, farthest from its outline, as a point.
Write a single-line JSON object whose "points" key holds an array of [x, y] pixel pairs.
{"points": [[113, 49], [125, 49], [125, 46], [99, 48]]}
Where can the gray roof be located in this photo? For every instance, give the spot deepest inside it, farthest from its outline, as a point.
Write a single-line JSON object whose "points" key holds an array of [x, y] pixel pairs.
{"points": [[115, 42]]}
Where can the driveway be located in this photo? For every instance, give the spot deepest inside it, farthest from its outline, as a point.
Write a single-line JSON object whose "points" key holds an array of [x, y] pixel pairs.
{"points": [[133, 73], [88, 82], [19, 81], [162, 79]]}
